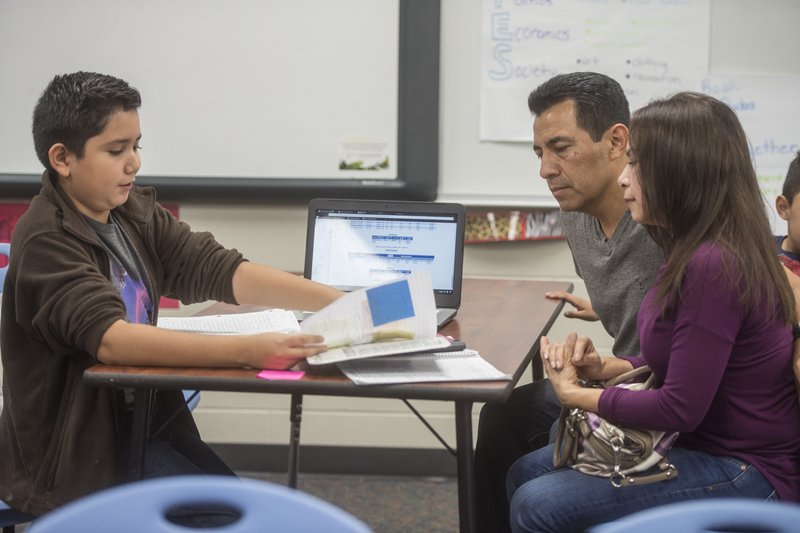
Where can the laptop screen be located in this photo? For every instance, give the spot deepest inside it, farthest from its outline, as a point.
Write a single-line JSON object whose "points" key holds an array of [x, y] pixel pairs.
{"points": [[352, 244]]}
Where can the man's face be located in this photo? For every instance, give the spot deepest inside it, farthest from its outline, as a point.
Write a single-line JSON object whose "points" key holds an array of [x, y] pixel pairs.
{"points": [[577, 169], [102, 179]]}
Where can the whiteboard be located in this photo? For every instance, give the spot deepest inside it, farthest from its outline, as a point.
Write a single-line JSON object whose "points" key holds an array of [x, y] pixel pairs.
{"points": [[745, 38], [241, 96]]}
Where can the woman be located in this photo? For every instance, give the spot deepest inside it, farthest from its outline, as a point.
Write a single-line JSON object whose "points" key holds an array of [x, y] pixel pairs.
{"points": [[715, 329]]}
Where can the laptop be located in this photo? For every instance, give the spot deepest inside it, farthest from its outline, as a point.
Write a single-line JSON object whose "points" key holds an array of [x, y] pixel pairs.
{"points": [[352, 244]]}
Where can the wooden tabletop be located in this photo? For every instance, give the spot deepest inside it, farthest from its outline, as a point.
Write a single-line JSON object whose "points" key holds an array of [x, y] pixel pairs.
{"points": [[501, 319]]}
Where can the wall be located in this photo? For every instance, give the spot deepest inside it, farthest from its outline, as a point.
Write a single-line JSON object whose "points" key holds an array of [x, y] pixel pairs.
{"points": [[761, 39], [745, 38]]}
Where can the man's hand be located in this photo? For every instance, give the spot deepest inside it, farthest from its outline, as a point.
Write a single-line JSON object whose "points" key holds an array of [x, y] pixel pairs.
{"points": [[583, 308]]}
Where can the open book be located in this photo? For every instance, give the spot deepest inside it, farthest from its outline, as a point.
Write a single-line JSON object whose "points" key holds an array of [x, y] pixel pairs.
{"points": [[396, 317]]}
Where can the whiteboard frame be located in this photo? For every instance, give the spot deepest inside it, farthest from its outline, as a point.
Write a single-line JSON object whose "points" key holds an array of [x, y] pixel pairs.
{"points": [[417, 138]]}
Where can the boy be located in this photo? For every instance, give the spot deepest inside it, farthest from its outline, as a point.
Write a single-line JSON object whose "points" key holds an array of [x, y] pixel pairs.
{"points": [[91, 258], [789, 210]]}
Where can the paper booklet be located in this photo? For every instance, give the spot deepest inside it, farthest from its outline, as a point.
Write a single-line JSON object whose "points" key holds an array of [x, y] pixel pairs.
{"points": [[465, 365], [396, 317], [391, 318]]}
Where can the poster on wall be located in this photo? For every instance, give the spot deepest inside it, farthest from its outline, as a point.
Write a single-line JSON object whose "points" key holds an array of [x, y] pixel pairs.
{"points": [[769, 111], [653, 48]]}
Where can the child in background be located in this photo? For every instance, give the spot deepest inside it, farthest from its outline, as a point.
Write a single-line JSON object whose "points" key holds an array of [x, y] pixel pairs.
{"points": [[788, 207]]}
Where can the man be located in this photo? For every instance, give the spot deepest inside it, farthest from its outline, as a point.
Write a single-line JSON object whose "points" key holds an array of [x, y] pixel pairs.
{"points": [[580, 134]]}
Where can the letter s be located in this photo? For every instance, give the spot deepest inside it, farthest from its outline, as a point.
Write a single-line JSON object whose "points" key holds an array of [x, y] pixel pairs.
{"points": [[499, 55]]}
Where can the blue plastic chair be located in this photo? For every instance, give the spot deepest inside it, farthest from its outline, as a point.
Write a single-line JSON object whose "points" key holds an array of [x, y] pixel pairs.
{"points": [[143, 505], [5, 250], [10, 517], [717, 515], [192, 398]]}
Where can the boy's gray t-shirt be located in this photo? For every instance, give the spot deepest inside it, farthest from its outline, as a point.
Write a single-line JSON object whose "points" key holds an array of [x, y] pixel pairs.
{"points": [[617, 272], [128, 272]]}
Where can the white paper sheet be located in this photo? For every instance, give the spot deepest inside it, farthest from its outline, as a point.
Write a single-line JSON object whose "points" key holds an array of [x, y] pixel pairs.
{"points": [[270, 320], [465, 365]]}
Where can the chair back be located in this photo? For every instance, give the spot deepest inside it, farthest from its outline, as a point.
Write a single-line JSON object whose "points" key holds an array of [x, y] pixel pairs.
{"points": [[143, 506], [10, 517], [718, 515], [5, 258], [192, 398]]}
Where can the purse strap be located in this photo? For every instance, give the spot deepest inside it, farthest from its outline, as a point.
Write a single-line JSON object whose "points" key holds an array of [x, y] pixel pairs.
{"points": [[628, 376], [666, 471], [566, 442]]}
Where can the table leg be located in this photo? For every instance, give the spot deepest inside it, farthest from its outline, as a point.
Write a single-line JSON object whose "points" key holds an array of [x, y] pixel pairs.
{"points": [[142, 405], [295, 417], [465, 468], [537, 365]]}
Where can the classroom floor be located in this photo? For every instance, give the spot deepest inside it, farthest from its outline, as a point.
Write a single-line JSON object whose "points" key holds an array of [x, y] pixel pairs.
{"points": [[388, 504]]}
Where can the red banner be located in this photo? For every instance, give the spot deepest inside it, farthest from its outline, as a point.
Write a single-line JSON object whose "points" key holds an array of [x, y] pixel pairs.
{"points": [[10, 213]]}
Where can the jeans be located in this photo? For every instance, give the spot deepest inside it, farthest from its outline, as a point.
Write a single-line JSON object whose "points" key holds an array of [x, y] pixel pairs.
{"points": [[506, 432], [547, 499], [186, 454]]}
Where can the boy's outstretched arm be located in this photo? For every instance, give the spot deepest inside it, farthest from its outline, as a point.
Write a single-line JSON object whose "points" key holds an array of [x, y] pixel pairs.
{"points": [[140, 344], [257, 284], [254, 284]]}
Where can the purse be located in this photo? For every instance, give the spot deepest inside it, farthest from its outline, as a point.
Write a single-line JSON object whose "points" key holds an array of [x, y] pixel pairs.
{"points": [[592, 445]]}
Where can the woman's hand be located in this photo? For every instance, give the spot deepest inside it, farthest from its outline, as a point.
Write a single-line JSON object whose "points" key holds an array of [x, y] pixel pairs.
{"points": [[579, 351], [279, 351], [564, 379], [583, 308]]}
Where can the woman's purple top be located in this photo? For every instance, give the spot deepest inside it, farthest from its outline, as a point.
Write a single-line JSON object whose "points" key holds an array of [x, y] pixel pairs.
{"points": [[725, 375]]}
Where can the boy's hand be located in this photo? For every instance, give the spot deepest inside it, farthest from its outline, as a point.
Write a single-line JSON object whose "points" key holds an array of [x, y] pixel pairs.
{"points": [[583, 308], [279, 351]]}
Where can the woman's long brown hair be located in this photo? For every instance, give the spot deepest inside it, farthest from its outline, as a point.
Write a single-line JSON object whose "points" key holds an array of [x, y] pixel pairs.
{"points": [[699, 185]]}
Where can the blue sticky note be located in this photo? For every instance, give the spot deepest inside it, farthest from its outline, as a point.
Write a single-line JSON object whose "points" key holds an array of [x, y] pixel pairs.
{"points": [[390, 302]]}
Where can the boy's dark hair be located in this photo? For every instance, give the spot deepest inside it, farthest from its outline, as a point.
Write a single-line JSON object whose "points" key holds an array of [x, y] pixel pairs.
{"points": [[791, 185], [599, 100], [75, 107]]}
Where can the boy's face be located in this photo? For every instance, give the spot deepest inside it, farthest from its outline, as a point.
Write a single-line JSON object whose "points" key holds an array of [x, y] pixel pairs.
{"points": [[791, 214], [102, 179], [579, 171]]}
